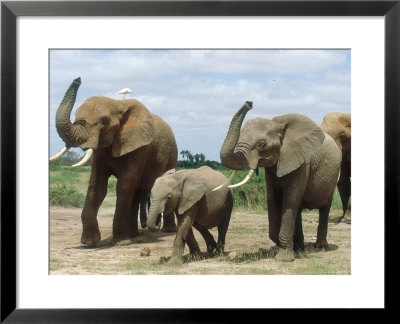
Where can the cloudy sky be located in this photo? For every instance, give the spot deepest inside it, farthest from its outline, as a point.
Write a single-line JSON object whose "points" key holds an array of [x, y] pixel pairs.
{"points": [[198, 91]]}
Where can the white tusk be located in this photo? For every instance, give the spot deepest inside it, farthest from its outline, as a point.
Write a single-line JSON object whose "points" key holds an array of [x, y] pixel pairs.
{"points": [[85, 158], [244, 180], [227, 181], [59, 154]]}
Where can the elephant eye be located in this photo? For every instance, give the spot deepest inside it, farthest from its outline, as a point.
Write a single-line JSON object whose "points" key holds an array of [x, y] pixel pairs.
{"points": [[261, 145], [169, 196]]}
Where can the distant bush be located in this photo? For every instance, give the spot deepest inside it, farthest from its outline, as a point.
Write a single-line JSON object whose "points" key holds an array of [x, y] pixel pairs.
{"points": [[66, 196]]}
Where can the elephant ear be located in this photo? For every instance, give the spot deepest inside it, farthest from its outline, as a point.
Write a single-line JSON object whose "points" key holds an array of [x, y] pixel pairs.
{"points": [[194, 188], [136, 128], [301, 139]]}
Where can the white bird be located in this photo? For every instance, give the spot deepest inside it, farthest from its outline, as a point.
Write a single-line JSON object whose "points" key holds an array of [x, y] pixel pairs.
{"points": [[124, 91]]}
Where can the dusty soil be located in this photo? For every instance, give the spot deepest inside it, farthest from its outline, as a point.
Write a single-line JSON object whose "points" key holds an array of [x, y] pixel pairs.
{"points": [[248, 249]]}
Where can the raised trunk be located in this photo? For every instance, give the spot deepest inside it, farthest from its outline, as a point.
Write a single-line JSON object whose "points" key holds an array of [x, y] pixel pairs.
{"points": [[72, 134], [232, 159]]}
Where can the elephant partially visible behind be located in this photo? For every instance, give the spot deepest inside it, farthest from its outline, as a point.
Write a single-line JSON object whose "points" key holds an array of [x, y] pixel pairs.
{"points": [[338, 126], [127, 141], [189, 194]]}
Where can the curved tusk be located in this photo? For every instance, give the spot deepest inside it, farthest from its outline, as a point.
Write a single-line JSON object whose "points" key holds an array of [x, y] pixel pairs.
{"points": [[227, 181], [60, 154], [85, 158], [243, 181]]}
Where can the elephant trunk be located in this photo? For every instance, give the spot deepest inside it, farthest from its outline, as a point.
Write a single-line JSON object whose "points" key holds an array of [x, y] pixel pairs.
{"points": [[153, 220], [231, 158], [72, 134]]}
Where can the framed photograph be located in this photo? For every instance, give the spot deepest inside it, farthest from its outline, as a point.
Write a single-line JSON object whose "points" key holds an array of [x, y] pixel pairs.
{"points": [[66, 254]]}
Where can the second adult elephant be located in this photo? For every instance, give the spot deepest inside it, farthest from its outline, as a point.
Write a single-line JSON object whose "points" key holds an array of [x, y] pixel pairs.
{"points": [[338, 126], [302, 166], [128, 142]]}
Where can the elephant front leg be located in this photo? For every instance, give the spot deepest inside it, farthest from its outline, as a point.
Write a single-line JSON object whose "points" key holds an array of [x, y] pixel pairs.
{"points": [[124, 222], [185, 222], [286, 233], [96, 193]]}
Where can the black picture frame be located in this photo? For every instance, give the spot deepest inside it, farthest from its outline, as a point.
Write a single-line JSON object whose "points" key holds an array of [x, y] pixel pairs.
{"points": [[10, 10]]}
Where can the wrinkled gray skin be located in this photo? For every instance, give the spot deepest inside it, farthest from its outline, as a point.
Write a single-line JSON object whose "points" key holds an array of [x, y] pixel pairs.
{"points": [[338, 126], [301, 164], [189, 194], [130, 143]]}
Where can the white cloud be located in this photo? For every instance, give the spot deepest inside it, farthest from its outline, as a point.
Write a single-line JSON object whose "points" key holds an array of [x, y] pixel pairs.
{"points": [[198, 91]]}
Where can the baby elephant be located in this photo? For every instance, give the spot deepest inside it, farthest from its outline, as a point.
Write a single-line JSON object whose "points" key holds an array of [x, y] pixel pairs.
{"points": [[189, 194]]}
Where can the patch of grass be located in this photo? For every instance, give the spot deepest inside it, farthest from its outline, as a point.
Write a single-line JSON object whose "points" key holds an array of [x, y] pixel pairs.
{"points": [[55, 264], [64, 177], [66, 196], [112, 185]]}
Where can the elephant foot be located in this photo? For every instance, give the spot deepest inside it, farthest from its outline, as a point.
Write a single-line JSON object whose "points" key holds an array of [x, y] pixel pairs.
{"points": [[119, 238], [143, 224], [321, 244], [168, 228], [133, 234], [90, 239], [286, 255], [347, 220]]}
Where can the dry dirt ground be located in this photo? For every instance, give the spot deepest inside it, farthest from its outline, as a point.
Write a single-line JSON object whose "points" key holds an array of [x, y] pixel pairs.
{"points": [[247, 251]]}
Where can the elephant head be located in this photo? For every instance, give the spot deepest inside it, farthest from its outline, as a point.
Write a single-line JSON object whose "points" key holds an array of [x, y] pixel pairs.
{"points": [[100, 122], [286, 142], [174, 191]]}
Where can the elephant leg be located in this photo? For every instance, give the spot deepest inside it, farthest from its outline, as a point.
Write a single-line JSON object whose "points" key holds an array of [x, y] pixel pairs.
{"points": [[185, 222], [347, 216], [133, 217], [210, 242], [144, 206], [298, 241], [344, 188], [222, 229], [169, 223], [274, 201], [96, 193], [127, 203], [192, 244], [323, 227]]}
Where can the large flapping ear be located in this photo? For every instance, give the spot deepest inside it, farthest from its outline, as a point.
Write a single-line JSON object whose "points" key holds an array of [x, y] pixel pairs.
{"points": [[193, 189], [302, 138], [136, 129]]}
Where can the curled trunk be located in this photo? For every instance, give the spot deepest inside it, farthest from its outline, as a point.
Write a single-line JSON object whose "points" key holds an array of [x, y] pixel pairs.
{"points": [[231, 158], [72, 134]]}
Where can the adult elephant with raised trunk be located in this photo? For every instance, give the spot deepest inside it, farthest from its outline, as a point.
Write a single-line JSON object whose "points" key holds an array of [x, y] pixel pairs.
{"points": [[338, 125], [301, 164], [128, 142]]}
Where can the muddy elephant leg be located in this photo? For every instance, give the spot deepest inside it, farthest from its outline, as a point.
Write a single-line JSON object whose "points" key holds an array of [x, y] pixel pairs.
{"points": [[185, 222], [323, 227], [96, 193], [144, 206], [169, 223], [210, 242], [298, 243]]}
